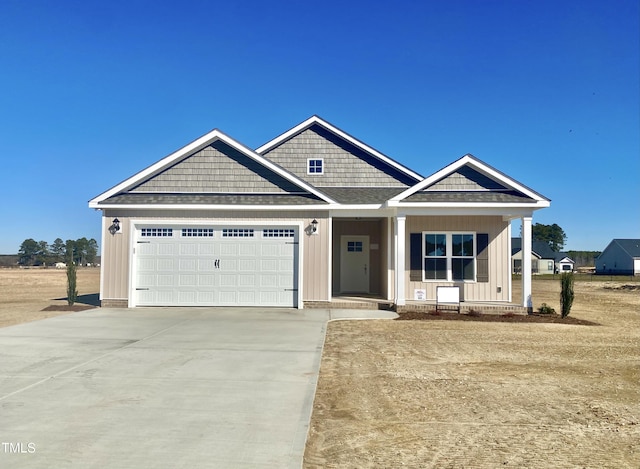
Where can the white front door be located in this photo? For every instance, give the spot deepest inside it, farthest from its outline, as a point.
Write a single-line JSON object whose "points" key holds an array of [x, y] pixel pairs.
{"points": [[354, 264]]}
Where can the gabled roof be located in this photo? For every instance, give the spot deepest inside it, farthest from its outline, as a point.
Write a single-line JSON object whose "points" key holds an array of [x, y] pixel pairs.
{"points": [[188, 150], [629, 246], [538, 248], [477, 183], [563, 257], [316, 120]]}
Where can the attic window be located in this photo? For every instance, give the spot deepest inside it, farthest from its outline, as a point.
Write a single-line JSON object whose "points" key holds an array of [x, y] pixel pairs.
{"points": [[315, 166]]}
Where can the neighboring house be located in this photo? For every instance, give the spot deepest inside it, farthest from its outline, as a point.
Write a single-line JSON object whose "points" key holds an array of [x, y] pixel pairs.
{"points": [[309, 216], [620, 257], [543, 259], [563, 263]]}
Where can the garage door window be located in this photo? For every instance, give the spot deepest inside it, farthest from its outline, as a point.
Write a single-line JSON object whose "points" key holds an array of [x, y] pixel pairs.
{"points": [[237, 233], [277, 233], [156, 232], [197, 232]]}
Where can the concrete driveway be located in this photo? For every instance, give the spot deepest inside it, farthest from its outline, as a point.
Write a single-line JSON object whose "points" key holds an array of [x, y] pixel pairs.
{"points": [[161, 387]]}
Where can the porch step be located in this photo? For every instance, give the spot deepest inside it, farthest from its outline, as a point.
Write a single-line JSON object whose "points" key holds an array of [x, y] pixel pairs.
{"points": [[349, 304]]}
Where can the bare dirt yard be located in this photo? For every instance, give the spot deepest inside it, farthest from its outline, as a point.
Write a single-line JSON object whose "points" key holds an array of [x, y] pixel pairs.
{"points": [[25, 293], [485, 394]]}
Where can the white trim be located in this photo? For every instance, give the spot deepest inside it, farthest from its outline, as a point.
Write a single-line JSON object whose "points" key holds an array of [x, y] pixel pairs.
{"points": [[330, 259], [470, 160], [448, 256], [510, 261], [390, 252], [102, 243], [134, 223], [196, 145], [527, 300], [400, 252], [340, 133], [309, 160]]}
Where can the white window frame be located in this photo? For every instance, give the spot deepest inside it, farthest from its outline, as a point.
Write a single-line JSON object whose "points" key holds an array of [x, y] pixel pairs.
{"points": [[315, 173], [449, 255]]}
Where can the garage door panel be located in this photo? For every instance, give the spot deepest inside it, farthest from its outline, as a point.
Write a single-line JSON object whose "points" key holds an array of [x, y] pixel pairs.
{"points": [[166, 249], [164, 297], [187, 280], [247, 297], [269, 297], [268, 281], [147, 249], [228, 297], [285, 281], [146, 265], [146, 281], [269, 250], [268, 265], [246, 280], [228, 280], [228, 249], [247, 250], [207, 249], [188, 249], [165, 264], [188, 265], [206, 265], [215, 266], [247, 265], [206, 297], [206, 280], [228, 265], [165, 280], [187, 297]]}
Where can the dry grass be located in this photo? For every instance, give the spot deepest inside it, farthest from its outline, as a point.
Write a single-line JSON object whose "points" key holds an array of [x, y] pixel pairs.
{"points": [[24, 293], [474, 394]]}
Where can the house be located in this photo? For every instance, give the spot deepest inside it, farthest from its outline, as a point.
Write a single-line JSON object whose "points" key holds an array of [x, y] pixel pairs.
{"points": [[563, 263], [543, 259], [620, 257], [309, 216]]}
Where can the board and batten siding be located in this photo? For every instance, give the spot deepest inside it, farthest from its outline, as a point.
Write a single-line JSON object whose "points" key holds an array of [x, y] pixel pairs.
{"points": [[499, 255], [314, 249]]}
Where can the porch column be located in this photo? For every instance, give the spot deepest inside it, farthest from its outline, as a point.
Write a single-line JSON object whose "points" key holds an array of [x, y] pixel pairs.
{"points": [[399, 242], [526, 263]]}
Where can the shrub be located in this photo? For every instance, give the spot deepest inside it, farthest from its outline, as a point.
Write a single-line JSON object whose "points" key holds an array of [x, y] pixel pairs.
{"points": [[546, 309], [566, 293], [72, 291]]}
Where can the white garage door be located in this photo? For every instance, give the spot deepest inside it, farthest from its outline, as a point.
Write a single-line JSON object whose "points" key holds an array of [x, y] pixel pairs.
{"points": [[216, 266]]}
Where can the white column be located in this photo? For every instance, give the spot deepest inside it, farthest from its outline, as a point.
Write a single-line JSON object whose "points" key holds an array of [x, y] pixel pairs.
{"points": [[526, 263], [399, 240]]}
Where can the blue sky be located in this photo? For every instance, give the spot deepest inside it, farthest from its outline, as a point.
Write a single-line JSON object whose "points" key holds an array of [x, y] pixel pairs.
{"points": [[545, 91]]}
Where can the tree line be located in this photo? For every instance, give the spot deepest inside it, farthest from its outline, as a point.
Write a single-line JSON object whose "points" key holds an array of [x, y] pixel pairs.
{"points": [[81, 251]]}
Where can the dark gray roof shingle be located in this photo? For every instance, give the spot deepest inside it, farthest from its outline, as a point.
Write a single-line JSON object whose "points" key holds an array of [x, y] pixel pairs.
{"points": [[469, 197], [213, 199]]}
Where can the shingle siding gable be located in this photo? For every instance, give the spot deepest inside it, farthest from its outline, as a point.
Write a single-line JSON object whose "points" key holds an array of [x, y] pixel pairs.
{"points": [[345, 165], [217, 168], [466, 179]]}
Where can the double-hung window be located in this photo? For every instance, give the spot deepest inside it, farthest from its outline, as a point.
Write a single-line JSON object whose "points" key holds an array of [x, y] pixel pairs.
{"points": [[449, 256]]}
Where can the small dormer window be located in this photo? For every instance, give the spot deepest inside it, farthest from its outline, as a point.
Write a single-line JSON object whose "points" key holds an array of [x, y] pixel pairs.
{"points": [[315, 166]]}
